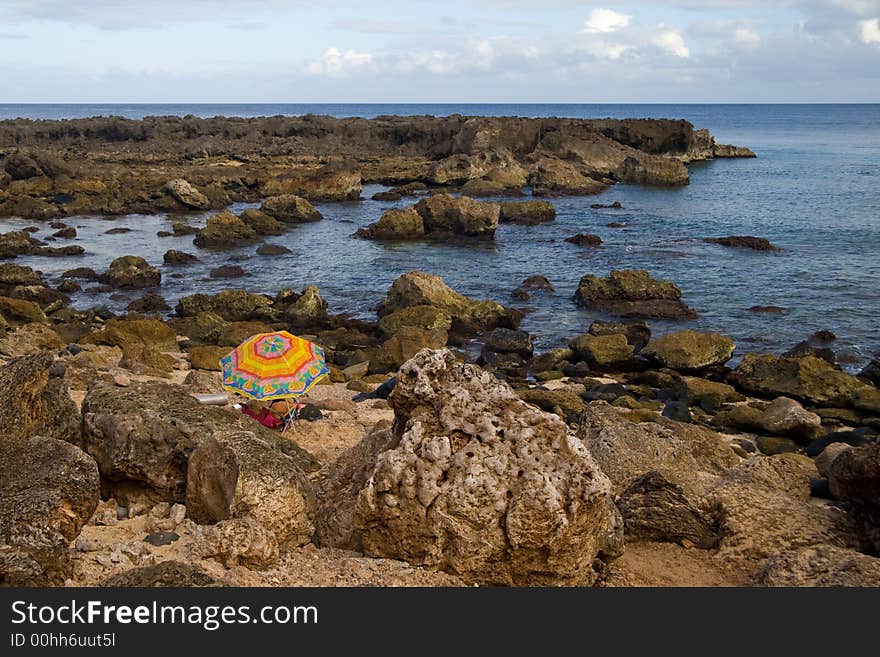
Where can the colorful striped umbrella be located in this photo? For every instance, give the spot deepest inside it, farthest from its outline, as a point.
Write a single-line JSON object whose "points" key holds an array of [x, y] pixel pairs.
{"points": [[274, 365]]}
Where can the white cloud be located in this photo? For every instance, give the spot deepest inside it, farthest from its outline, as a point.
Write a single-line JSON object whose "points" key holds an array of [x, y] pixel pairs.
{"points": [[746, 38], [870, 30], [606, 20], [672, 42], [337, 64]]}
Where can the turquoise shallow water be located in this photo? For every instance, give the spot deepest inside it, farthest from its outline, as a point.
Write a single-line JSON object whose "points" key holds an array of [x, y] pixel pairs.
{"points": [[814, 191]]}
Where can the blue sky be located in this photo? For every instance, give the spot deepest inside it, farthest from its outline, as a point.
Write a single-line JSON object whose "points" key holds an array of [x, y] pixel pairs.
{"points": [[453, 51]]}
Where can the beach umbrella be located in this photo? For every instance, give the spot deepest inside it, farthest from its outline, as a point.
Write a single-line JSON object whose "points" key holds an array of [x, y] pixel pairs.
{"points": [[275, 365]]}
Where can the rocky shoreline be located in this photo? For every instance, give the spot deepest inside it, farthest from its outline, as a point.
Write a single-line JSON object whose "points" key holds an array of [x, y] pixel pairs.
{"points": [[443, 449]]}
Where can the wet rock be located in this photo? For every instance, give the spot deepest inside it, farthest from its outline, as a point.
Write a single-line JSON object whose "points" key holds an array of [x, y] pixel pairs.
{"points": [[395, 224], [610, 206], [290, 209], [637, 333], [121, 230], [68, 232], [231, 305], [81, 272], [808, 379], [68, 286], [537, 509], [529, 213], [820, 565], [48, 491], [686, 455], [262, 223], [632, 293], [227, 271], [34, 401], [224, 231], [272, 250], [585, 239], [186, 194], [12, 275], [445, 214], [805, 348], [165, 574], [690, 350], [468, 315], [743, 242], [602, 351], [142, 436], [770, 310], [149, 303], [508, 341], [655, 509], [234, 475], [131, 272]]}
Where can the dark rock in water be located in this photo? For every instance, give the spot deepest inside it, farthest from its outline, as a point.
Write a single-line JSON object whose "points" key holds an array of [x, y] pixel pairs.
{"points": [[165, 574], [117, 231], [31, 229], [820, 488], [68, 286], [509, 341], [386, 196], [180, 228], [771, 445], [311, 413], [637, 333], [174, 258], [633, 293], [615, 224], [872, 371], [773, 310], [585, 239], [131, 272], [48, 491], [655, 509], [519, 294], [611, 206], [161, 538], [744, 242], [537, 282], [854, 437], [804, 348], [272, 250], [68, 232], [164, 233], [678, 411], [227, 271], [149, 303], [529, 213], [823, 336]]}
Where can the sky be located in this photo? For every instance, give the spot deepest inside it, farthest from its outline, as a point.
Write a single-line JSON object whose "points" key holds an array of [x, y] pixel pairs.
{"points": [[480, 51]]}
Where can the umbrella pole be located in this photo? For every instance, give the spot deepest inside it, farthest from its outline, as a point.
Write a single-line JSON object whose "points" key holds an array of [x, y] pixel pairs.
{"points": [[289, 420]]}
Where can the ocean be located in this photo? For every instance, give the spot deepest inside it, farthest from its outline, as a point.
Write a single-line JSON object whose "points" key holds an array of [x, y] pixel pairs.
{"points": [[814, 191]]}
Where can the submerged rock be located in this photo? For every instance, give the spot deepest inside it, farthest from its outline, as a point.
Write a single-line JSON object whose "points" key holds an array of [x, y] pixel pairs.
{"points": [[585, 239], [743, 242], [633, 293]]}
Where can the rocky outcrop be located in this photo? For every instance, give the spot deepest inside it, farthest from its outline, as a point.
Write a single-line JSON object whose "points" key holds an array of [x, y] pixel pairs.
{"points": [[476, 482], [633, 293], [395, 224], [290, 209], [48, 491], [262, 223], [328, 183], [690, 350], [808, 379], [186, 194], [235, 475], [142, 436], [466, 315], [131, 272]]}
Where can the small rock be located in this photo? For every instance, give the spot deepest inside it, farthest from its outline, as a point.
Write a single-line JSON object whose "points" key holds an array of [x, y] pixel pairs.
{"points": [[161, 538]]}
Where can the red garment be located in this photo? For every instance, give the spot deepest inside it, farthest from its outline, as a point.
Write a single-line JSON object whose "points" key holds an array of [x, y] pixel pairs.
{"points": [[264, 417]]}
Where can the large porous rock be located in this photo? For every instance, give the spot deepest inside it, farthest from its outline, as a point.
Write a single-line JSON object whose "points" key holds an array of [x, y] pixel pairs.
{"points": [[395, 224], [34, 400], [142, 437], [763, 506], [48, 491], [786, 417], [529, 213], [329, 183], [633, 293], [186, 194], [131, 272], [602, 351], [808, 379], [12, 275], [686, 455], [290, 209], [120, 333], [445, 214], [820, 565], [468, 315], [235, 474], [30, 339], [655, 509], [223, 231], [231, 305], [15, 243], [690, 350], [478, 483]]}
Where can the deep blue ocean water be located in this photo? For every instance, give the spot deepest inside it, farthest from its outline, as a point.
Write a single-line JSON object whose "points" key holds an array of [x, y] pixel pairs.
{"points": [[814, 191]]}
